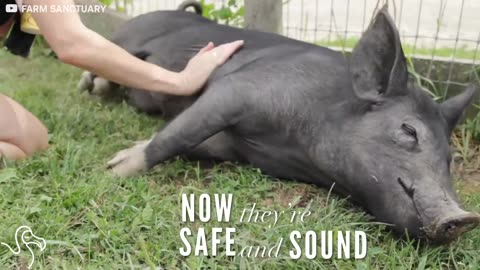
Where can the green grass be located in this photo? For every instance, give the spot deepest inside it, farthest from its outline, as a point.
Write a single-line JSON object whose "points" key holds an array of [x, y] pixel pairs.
{"points": [[95, 221], [461, 52]]}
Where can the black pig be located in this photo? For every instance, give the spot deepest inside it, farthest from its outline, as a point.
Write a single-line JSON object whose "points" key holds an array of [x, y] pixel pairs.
{"points": [[304, 112]]}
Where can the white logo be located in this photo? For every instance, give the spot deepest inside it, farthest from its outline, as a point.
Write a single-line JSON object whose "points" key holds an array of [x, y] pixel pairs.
{"points": [[28, 238], [11, 8], [59, 8]]}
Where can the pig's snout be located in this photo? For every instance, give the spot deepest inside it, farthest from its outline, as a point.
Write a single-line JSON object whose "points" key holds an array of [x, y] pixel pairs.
{"points": [[442, 218], [450, 227]]}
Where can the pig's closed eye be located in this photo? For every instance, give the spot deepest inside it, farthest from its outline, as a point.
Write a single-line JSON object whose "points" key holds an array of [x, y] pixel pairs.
{"points": [[410, 131], [406, 137]]}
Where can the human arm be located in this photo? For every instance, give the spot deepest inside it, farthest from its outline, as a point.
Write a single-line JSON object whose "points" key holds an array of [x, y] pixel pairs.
{"points": [[77, 45]]}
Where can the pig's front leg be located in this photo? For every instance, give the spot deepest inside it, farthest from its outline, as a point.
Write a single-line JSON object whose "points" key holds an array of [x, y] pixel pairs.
{"points": [[211, 113]]}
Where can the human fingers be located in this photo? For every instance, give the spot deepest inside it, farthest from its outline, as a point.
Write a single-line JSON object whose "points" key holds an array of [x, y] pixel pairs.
{"points": [[223, 52], [207, 48]]}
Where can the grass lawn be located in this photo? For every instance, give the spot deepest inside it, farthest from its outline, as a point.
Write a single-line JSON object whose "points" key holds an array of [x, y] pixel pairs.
{"points": [[92, 220]]}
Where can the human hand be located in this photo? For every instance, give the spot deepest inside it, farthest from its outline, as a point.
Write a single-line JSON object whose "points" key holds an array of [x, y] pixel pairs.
{"points": [[202, 65]]}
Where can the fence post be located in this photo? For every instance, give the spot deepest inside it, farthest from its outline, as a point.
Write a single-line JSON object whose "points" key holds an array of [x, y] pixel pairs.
{"points": [[264, 15]]}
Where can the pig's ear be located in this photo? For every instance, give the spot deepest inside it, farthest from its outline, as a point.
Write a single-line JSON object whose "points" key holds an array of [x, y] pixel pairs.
{"points": [[378, 66], [453, 108]]}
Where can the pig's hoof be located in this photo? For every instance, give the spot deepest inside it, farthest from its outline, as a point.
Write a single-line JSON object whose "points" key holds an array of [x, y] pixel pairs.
{"points": [[86, 82], [94, 85], [101, 87], [129, 162]]}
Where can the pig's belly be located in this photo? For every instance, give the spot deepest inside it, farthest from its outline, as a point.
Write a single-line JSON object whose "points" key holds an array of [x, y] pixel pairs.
{"points": [[279, 159]]}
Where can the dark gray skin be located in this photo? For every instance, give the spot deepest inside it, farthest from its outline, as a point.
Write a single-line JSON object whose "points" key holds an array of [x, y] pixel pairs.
{"points": [[304, 112]]}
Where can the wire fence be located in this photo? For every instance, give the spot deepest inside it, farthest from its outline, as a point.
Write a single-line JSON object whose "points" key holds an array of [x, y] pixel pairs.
{"points": [[447, 30]]}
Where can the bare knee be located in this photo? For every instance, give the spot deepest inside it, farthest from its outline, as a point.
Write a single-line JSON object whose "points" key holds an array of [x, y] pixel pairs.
{"points": [[11, 152], [21, 128]]}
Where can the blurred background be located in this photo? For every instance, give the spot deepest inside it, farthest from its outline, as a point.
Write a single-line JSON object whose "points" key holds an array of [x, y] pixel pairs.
{"points": [[448, 28]]}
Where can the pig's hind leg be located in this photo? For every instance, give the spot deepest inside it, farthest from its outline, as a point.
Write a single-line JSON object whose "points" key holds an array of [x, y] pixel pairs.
{"points": [[86, 82], [98, 86], [213, 112]]}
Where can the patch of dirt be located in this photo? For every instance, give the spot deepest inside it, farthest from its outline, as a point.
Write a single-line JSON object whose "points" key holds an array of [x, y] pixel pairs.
{"points": [[470, 182], [468, 174], [298, 195]]}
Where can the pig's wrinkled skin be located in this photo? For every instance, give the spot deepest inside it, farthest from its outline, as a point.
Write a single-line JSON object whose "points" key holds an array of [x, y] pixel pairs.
{"points": [[304, 112]]}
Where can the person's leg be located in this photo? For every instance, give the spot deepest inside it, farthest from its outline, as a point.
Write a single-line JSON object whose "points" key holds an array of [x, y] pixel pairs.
{"points": [[21, 133], [11, 152]]}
